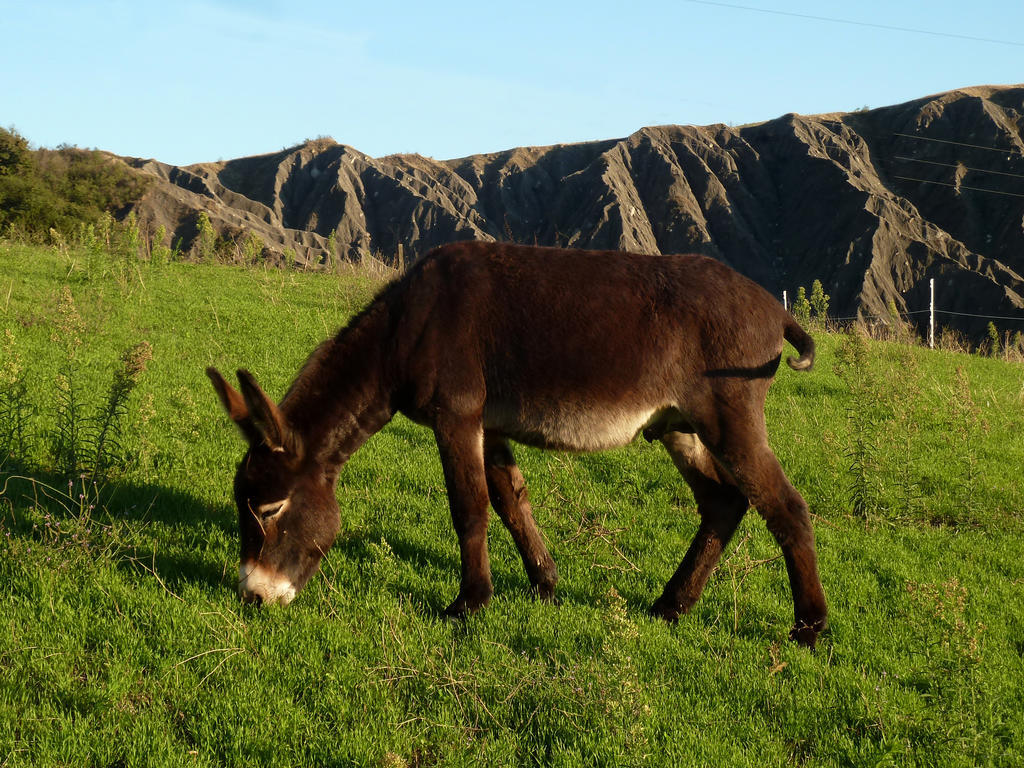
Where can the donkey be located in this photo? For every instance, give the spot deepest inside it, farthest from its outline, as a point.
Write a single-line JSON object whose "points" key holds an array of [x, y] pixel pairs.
{"points": [[563, 349]]}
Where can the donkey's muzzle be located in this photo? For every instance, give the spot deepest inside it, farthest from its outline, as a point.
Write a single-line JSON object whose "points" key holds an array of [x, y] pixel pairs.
{"points": [[260, 585]]}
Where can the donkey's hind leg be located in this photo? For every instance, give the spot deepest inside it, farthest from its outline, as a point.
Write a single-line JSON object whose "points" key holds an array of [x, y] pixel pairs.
{"points": [[507, 491], [752, 463], [460, 444], [721, 506]]}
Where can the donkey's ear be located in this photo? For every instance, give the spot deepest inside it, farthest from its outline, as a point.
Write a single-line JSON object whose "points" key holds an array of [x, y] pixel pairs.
{"points": [[234, 404], [267, 418]]}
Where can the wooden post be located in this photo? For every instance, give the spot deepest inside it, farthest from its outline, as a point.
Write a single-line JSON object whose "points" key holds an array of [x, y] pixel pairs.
{"points": [[785, 301], [931, 314]]}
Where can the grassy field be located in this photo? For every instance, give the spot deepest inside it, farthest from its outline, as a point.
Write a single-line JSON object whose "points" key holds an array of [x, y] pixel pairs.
{"points": [[122, 642]]}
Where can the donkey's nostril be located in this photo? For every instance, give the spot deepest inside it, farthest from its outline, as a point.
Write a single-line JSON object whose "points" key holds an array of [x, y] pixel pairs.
{"points": [[249, 597], [252, 598]]}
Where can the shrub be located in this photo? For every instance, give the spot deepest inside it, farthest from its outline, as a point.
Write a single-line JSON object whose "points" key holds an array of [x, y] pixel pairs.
{"points": [[205, 244], [252, 249], [104, 442], [819, 301], [15, 408], [993, 340], [801, 308], [15, 157], [158, 252]]}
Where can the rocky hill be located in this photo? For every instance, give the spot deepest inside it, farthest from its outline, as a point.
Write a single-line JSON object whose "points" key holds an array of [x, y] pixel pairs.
{"points": [[873, 203]]}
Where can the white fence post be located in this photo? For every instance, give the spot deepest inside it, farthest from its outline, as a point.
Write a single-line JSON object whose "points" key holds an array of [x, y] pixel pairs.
{"points": [[931, 315], [785, 301]]}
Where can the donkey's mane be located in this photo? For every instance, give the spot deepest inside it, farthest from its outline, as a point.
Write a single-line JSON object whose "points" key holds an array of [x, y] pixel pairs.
{"points": [[322, 365]]}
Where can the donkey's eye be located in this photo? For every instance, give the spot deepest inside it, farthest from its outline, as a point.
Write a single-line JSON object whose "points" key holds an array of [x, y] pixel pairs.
{"points": [[270, 510]]}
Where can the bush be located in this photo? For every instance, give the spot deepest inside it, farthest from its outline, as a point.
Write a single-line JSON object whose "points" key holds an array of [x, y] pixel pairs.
{"points": [[819, 301], [15, 157], [801, 308]]}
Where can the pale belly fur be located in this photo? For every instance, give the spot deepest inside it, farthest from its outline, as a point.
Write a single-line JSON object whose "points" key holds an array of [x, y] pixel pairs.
{"points": [[574, 428]]}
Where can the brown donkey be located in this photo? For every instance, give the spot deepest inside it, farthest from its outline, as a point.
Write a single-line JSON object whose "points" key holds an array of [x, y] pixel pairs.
{"points": [[572, 350]]}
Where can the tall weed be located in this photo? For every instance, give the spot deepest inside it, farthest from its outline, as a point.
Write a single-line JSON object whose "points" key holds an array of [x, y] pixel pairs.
{"points": [[15, 406], [104, 440], [966, 426], [863, 421], [88, 437], [883, 414], [66, 439]]}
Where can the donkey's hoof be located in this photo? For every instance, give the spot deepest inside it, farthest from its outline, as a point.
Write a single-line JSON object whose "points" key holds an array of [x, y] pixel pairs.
{"points": [[546, 596], [455, 611], [545, 592], [806, 634], [462, 606], [665, 609]]}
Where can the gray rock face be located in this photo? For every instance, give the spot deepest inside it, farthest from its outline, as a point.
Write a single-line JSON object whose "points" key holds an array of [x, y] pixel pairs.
{"points": [[873, 203]]}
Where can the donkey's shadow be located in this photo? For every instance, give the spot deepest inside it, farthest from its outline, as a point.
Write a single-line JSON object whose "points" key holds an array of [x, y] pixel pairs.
{"points": [[112, 516]]}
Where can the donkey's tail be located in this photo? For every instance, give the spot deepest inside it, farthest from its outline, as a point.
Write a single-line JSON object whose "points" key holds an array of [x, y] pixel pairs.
{"points": [[804, 344]]}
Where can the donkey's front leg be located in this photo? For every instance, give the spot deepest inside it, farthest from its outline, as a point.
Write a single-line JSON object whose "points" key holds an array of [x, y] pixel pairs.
{"points": [[510, 500], [460, 441]]}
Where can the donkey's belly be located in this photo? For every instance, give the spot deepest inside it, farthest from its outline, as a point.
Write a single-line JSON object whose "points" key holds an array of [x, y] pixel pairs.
{"points": [[573, 428]]}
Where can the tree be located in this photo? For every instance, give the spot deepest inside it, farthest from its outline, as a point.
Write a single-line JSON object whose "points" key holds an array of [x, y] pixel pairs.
{"points": [[801, 308], [205, 243], [819, 301], [15, 158], [993, 340]]}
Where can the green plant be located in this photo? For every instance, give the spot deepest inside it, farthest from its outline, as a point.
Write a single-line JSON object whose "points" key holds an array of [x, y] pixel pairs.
{"points": [[88, 438], [15, 157], [252, 249], [205, 245], [15, 406], [864, 452], [130, 239], [60, 190], [159, 254], [993, 340], [903, 401], [818, 302], [331, 258], [105, 441], [801, 307], [66, 437], [966, 427]]}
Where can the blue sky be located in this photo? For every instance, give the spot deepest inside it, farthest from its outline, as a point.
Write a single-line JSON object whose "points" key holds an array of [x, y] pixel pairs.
{"points": [[194, 81]]}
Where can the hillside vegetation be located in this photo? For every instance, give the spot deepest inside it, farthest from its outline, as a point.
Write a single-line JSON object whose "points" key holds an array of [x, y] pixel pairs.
{"points": [[122, 642], [56, 194]]}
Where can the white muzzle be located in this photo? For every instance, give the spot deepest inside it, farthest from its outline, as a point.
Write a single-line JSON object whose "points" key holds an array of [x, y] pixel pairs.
{"points": [[257, 584]]}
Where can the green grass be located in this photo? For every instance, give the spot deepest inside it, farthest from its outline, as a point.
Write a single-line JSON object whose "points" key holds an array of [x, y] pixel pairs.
{"points": [[122, 643]]}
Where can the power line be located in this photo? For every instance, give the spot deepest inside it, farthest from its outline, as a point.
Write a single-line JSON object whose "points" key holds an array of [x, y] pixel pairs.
{"points": [[910, 312], [851, 22], [968, 314], [957, 165], [959, 186], [1009, 152]]}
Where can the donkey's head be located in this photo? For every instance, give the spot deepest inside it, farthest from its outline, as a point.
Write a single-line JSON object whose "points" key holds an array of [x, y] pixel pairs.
{"points": [[287, 512]]}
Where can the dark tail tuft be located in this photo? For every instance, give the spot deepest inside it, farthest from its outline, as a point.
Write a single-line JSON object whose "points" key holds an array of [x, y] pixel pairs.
{"points": [[804, 344]]}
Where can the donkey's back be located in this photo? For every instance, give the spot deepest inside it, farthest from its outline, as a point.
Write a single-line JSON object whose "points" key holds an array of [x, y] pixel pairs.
{"points": [[581, 350]]}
